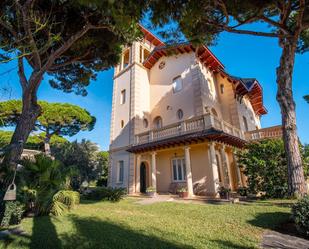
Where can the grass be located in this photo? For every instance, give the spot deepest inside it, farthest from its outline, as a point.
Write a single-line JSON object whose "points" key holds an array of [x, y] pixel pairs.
{"points": [[162, 225]]}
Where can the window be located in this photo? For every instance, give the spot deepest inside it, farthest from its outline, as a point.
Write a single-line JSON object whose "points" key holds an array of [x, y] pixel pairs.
{"points": [[125, 59], [122, 124], [157, 122], [179, 169], [145, 123], [222, 88], [120, 172], [177, 84], [123, 97], [179, 114], [143, 54], [211, 85], [245, 123]]}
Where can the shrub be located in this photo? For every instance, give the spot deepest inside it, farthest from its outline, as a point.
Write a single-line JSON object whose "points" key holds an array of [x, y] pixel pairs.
{"points": [[265, 166], [300, 214], [150, 189], [13, 213], [102, 182], [106, 193], [242, 191]]}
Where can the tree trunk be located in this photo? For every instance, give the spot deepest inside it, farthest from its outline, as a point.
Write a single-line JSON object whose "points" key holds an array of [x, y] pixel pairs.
{"points": [[296, 179], [47, 143], [30, 112]]}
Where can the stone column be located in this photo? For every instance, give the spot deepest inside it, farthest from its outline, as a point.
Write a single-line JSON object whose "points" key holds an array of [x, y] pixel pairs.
{"points": [[214, 170], [137, 174], [153, 170], [227, 171], [188, 171], [239, 178]]}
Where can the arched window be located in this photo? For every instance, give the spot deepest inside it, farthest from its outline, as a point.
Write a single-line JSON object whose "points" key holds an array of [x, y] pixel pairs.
{"points": [[157, 122], [145, 123], [179, 114], [122, 123], [214, 112]]}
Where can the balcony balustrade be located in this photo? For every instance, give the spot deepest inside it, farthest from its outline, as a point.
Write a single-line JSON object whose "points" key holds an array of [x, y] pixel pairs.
{"points": [[192, 125], [269, 132]]}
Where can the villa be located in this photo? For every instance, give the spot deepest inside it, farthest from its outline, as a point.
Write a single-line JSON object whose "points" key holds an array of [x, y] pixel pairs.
{"points": [[177, 119]]}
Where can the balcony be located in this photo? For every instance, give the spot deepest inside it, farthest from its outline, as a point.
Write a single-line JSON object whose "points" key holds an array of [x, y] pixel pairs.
{"points": [[265, 133], [196, 129]]}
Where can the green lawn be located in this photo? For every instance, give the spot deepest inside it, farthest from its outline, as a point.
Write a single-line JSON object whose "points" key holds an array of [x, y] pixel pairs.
{"points": [[161, 225]]}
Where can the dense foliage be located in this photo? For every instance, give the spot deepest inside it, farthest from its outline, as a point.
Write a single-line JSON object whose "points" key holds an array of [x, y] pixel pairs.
{"points": [[35, 141], [12, 213], [60, 119], [300, 214], [44, 186], [106, 193], [68, 40], [85, 156], [265, 165]]}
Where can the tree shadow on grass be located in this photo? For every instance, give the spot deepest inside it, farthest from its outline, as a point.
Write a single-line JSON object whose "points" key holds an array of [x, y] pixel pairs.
{"points": [[95, 233]]}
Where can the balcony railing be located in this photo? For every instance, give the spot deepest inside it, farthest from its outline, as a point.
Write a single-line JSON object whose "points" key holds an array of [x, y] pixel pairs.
{"points": [[200, 123], [270, 132]]}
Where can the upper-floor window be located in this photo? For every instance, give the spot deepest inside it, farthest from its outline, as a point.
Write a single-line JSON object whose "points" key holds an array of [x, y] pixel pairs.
{"points": [[179, 169], [179, 114], [143, 54], [145, 123], [123, 97], [125, 59], [222, 88], [245, 123], [120, 171], [177, 84], [121, 124], [157, 122]]}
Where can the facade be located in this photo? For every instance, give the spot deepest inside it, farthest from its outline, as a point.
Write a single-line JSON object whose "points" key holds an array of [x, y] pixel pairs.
{"points": [[177, 117]]}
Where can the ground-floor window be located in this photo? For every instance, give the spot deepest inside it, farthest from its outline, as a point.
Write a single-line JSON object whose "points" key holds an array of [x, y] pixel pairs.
{"points": [[179, 169], [120, 171]]}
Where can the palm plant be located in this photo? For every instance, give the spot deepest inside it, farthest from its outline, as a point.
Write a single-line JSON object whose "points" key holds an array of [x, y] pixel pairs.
{"points": [[46, 183]]}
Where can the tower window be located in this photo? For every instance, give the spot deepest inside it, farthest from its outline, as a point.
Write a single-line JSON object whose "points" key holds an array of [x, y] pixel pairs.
{"points": [[143, 54], [245, 123], [120, 172], [125, 59], [123, 97], [122, 124], [177, 84]]}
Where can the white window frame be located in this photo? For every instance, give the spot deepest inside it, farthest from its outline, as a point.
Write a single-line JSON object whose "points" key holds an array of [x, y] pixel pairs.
{"points": [[119, 165], [175, 90], [182, 167], [123, 96]]}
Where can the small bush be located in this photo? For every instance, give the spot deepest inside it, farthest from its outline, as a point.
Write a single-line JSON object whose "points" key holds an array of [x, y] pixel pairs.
{"points": [[106, 193], [12, 214], [300, 214], [242, 191], [102, 182]]}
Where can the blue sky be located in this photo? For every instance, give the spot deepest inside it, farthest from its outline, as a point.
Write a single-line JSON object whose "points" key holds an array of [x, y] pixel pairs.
{"points": [[244, 56]]}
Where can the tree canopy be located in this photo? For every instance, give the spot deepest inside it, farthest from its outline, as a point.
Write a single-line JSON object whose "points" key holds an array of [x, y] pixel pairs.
{"points": [[70, 40], [34, 141], [61, 119]]}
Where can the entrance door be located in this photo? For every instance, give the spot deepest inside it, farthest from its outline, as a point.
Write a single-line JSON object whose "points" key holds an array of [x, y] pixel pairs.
{"points": [[143, 178]]}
